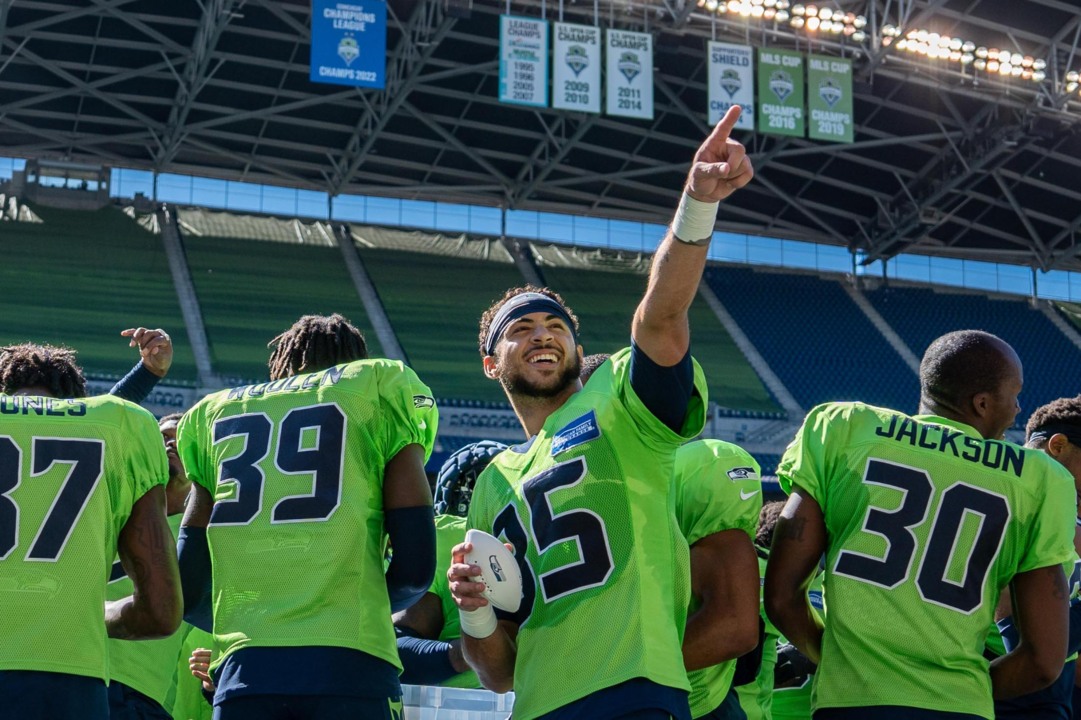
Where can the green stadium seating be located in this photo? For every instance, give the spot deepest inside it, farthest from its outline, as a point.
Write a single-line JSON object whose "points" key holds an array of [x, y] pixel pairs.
{"points": [[434, 303], [80, 277], [251, 290], [605, 303]]}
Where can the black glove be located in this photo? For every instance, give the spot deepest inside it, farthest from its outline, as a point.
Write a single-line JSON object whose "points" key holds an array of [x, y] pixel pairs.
{"points": [[792, 667]]}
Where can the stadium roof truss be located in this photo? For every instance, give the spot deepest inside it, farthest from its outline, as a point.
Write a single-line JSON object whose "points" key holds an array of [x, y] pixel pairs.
{"points": [[946, 160]]}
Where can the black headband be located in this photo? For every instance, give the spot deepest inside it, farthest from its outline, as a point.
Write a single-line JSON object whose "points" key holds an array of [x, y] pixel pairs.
{"points": [[1044, 432], [518, 307]]}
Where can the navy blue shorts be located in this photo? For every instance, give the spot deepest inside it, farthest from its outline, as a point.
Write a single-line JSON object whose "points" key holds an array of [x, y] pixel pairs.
{"points": [[127, 703], [637, 699], [889, 712], [730, 709], [39, 695], [307, 707]]}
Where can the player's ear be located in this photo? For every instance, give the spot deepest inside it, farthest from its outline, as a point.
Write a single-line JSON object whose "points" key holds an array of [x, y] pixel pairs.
{"points": [[981, 404], [491, 367], [1057, 444]]}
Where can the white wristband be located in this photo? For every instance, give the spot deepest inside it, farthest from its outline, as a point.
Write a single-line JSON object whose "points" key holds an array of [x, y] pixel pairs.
{"points": [[694, 221], [479, 623]]}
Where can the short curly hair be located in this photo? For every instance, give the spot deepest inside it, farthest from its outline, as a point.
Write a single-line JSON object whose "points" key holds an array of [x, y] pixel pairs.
{"points": [[47, 366], [767, 523], [314, 343], [1064, 411], [490, 313]]}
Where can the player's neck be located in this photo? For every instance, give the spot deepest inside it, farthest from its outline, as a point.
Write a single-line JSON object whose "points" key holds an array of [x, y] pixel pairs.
{"points": [[35, 390], [533, 411]]}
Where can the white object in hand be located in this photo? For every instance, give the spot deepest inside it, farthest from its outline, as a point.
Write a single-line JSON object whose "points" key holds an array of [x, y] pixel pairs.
{"points": [[499, 570]]}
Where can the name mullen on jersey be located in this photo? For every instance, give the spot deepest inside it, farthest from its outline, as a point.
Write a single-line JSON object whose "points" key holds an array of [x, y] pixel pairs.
{"points": [[293, 383], [989, 453]]}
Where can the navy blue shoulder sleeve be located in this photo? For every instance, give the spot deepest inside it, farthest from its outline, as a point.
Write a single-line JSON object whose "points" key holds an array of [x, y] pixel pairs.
{"points": [[665, 391], [412, 561], [136, 385]]}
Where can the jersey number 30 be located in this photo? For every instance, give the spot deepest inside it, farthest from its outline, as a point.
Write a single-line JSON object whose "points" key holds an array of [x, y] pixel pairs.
{"points": [[322, 463], [960, 505]]}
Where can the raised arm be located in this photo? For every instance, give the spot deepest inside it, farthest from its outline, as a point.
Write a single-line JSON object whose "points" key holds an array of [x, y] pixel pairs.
{"points": [[798, 544], [721, 167], [148, 555], [155, 359]]}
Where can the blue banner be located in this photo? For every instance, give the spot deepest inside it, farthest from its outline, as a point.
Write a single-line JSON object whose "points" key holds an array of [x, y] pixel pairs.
{"points": [[523, 61], [349, 43]]}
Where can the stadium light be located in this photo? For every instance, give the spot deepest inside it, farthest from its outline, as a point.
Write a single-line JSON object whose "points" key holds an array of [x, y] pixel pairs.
{"points": [[936, 46], [815, 19]]}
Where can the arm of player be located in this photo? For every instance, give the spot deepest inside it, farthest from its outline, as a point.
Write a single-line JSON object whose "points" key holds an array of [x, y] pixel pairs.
{"points": [[410, 525], [148, 555], [1040, 611], [156, 357], [193, 555], [493, 655], [660, 326], [798, 543], [724, 575], [426, 660]]}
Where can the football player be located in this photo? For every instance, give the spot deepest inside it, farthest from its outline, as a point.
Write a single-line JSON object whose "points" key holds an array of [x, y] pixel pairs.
{"points": [[927, 518], [586, 501], [296, 483], [82, 480]]}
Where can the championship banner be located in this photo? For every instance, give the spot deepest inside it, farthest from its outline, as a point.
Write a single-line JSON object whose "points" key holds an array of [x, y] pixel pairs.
{"points": [[349, 43], [523, 61], [780, 92], [576, 68], [731, 82], [829, 98], [629, 68]]}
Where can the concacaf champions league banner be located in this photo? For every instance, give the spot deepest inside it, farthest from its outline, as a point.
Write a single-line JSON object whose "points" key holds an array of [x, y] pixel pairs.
{"points": [[523, 61], [576, 67], [349, 43], [829, 98], [780, 92], [629, 66], [731, 82]]}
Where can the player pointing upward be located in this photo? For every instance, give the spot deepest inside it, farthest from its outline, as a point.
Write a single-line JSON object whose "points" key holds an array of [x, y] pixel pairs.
{"points": [[586, 502]]}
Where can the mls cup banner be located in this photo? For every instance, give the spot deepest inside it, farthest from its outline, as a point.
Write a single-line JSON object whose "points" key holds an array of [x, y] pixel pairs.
{"points": [[731, 82], [829, 98], [349, 43], [780, 92], [629, 67], [523, 61], [576, 67]]}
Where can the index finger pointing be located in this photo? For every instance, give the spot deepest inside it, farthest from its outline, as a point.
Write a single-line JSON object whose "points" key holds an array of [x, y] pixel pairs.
{"points": [[724, 128]]}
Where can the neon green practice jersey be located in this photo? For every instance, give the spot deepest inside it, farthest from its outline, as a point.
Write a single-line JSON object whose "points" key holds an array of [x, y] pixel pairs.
{"points": [[449, 531], [296, 535], [70, 471], [756, 698], [927, 521], [718, 488], [148, 666], [587, 504], [189, 703]]}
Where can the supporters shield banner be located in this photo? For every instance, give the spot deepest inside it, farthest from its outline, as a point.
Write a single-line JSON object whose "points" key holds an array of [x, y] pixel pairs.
{"points": [[629, 68], [829, 98], [349, 43], [523, 60], [780, 92], [731, 82], [576, 67]]}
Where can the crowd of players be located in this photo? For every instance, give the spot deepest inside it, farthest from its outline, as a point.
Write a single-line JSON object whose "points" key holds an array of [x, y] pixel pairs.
{"points": [[918, 570]]}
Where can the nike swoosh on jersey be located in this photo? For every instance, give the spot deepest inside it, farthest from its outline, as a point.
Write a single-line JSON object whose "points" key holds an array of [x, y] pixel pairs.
{"points": [[747, 495]]}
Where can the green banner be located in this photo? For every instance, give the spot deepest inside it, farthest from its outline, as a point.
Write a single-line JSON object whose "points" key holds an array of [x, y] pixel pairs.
{"points": [[829, 98], [780, 92]]}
